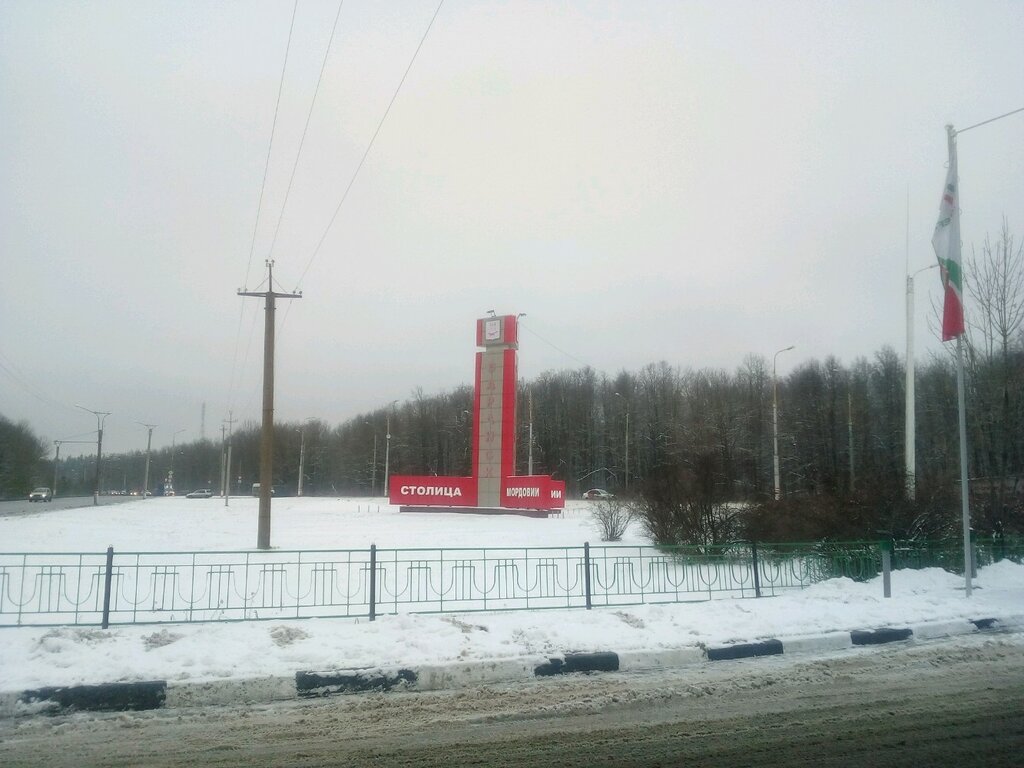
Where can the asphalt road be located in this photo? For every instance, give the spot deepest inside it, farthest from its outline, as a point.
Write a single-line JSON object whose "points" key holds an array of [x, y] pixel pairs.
{"points": [[26, 507], [953, 703]]}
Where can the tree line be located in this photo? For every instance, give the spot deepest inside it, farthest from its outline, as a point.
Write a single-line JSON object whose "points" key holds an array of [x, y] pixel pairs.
{"points": [[700, 438]]}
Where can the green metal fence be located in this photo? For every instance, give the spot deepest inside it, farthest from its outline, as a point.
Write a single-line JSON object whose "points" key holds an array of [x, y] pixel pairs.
{"points": [[154, 587]]}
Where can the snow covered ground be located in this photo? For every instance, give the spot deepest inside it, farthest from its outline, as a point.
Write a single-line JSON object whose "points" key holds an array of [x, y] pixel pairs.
{"points": [[36, 656], [185, 525]]}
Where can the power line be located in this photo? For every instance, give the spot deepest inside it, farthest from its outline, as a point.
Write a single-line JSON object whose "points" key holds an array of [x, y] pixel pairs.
{"points": [[259, 207], [270, 147], [554, 347], [23, 382], [369, 146], [305, 129], [236, 369]]}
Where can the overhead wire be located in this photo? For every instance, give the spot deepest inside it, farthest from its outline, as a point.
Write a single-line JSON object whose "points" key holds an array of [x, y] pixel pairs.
{"points": [[270, 146], [305, 129], [74, 438], [351, 182], [232, 383], [553, 346], [369, 146], [23, 382]]}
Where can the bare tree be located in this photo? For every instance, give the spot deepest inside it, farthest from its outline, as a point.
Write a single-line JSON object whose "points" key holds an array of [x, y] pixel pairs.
{"points": [[995, 285], [613, 517]]}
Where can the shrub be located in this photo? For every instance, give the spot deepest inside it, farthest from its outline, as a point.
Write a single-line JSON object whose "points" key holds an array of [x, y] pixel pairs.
{"points": [[679, 507], [613, 516]]}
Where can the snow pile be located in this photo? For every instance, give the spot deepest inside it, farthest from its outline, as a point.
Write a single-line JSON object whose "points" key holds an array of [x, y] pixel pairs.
{"points": [[31, 657]]}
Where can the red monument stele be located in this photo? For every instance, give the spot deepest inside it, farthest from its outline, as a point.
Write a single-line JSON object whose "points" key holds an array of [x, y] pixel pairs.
{"points": [[494, 487]]}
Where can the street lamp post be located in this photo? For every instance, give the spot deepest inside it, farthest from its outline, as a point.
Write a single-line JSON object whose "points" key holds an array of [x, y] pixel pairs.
{"points": [[529, 453], [529, 444], [775, 421], [302, 453], [373, 466], [387, 448], [149, 444], [56, 460], [101, 417], [56, 466], [170, 474], [626, 438], [373, 469]]}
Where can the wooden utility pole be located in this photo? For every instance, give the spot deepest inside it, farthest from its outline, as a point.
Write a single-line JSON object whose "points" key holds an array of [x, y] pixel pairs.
{"points": [[267, 432], [227, 458], [101, 417]]}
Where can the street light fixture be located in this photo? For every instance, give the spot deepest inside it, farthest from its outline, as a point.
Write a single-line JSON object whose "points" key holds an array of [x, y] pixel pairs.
{"points": [[101, 417], [387, 448], [775, 421]]}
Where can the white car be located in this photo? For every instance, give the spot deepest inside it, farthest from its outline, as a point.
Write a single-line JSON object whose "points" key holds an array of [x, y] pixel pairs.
{"points": [[41, 494], [598, 493]]}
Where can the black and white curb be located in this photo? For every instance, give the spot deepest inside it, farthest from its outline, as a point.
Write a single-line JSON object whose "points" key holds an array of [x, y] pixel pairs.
{"points": [[157, 694]]}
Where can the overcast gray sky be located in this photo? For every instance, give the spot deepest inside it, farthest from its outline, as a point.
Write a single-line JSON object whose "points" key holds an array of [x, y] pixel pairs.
{"points": [[679, 181]]}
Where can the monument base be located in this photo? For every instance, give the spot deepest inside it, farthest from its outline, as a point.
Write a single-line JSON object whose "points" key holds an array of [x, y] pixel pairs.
{"points": [[484, 511]]}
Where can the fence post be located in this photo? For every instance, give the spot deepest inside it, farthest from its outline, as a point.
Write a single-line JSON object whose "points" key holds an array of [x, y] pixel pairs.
{"points": [[886, 545], [373, 582], [586, 572], [757, 570], [107, 579]]}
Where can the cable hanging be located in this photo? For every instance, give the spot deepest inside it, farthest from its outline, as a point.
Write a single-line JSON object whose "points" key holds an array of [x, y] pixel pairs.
{"points": [[369, 146]]}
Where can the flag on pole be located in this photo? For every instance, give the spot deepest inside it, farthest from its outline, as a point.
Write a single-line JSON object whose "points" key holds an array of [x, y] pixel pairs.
{"points": [[946, 242]]}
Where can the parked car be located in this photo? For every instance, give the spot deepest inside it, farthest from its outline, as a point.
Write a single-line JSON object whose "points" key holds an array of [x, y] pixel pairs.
{"points": [[598, 493], [199, 493], [41, 494]]}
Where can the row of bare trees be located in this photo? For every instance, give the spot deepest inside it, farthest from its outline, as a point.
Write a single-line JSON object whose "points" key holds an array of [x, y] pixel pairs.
{"points": [[700, 436]]}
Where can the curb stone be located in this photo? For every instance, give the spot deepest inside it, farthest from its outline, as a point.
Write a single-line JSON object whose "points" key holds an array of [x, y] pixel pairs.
{"points": [[157, 694], [745, 650], [602, 661], [832, 641], [880, 636], [252, 690], [353, 681], [109, 697]]}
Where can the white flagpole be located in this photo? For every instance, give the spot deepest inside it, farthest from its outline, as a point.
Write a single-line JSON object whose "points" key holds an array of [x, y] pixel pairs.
{"points": [[909, 417], [960, 398], [955, 244]]}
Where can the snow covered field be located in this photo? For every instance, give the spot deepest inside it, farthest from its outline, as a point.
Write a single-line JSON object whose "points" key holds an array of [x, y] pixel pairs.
{"points": [[32, 657], [185, 525]]}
